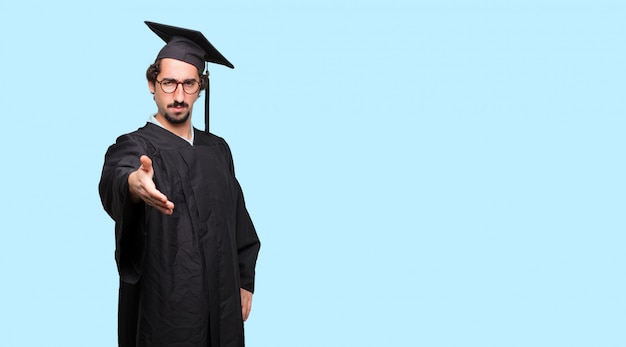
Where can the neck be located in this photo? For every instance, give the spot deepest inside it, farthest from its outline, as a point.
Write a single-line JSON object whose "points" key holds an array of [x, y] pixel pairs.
{"points": [[181, 129]]}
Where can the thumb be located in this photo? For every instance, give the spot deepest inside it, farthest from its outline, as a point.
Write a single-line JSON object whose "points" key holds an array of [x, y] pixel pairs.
{"points": [[146, 163]]}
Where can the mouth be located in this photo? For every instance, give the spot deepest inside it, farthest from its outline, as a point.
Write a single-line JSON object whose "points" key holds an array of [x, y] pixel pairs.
{"points": [[178, 107]]}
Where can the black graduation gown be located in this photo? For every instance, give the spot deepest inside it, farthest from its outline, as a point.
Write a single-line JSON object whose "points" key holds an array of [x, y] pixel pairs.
{"points": [[180, 275]]}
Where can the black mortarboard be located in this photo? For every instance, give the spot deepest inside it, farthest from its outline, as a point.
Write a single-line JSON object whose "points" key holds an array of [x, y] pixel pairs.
{"points": [[191, 47]]}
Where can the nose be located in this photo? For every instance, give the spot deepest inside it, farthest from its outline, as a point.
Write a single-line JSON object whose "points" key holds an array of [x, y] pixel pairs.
{"points": [[179, 93]]}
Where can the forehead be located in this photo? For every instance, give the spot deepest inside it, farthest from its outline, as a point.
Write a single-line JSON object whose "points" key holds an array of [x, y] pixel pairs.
{"points": [[177, 69]]}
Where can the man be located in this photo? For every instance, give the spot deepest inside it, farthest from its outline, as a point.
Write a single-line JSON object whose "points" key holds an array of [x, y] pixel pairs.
{"points": [[186, 247]]}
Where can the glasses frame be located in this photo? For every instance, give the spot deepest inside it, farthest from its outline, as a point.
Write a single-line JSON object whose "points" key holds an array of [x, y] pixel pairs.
{"points": [[177, 83]]}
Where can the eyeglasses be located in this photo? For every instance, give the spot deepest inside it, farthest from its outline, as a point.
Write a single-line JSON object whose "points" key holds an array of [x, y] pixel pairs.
{"points": [[169, 85]]}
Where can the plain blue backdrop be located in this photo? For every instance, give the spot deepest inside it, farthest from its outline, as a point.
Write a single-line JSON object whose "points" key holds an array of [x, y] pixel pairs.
{"points": [[421, 173]]}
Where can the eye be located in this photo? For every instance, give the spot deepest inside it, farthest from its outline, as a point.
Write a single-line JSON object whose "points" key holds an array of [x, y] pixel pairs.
{"points": [[190, 83], [168, 82]]}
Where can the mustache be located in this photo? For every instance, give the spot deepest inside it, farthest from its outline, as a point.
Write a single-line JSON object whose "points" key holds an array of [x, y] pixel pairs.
{"points": [[178, 104]]}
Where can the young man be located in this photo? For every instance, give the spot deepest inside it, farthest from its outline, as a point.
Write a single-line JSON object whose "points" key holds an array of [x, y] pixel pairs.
{"points": [[186, 247]]}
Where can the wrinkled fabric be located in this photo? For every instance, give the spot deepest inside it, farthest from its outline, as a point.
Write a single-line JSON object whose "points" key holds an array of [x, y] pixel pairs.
{"points": [[180, 275]]}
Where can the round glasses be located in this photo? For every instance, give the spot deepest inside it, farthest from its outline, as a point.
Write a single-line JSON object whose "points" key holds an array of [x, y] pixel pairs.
{"points": [[169, 85]]}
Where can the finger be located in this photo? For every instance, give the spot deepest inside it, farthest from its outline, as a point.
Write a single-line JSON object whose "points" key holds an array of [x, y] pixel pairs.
{"points": [[247, 314], [246, 304], [160, 201], [166, 211], [244, 313], [157, 196], [166, 207], [161, 207], [165, 204]]}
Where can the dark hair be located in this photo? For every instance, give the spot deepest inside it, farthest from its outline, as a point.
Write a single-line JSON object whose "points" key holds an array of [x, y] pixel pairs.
{"points": [[154, 70]]}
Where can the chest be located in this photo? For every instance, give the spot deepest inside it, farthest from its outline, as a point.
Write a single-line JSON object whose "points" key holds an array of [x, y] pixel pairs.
{"points": [[199, 173]]}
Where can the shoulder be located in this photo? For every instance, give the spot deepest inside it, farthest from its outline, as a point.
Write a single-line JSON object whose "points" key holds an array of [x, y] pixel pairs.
{"points": [[202, 138], [154, 138], [213, 143], [133, 143], [137, 135]]}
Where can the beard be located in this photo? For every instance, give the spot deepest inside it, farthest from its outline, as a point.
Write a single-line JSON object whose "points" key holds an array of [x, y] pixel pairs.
{"points": [[173, 120]]}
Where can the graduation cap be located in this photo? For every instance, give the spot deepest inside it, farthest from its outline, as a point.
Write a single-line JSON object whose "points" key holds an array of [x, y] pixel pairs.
{"points": [[191, 47]]}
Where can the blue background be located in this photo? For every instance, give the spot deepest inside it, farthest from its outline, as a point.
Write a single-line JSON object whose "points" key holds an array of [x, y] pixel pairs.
{"points": [[421, 173]]}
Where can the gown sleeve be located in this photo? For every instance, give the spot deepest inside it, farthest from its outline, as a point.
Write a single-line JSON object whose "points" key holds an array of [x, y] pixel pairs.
{"points": [[121, 159], [248, 243]]}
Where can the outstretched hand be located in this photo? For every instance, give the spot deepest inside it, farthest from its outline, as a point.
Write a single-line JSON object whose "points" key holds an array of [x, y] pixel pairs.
{"points": [[142, 188]]}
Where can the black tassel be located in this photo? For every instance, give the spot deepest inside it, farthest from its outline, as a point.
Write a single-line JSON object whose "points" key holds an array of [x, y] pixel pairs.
{"points": [[206, 106]]}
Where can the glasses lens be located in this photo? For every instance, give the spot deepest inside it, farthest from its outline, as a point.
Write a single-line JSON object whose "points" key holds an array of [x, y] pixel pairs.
{"points": [[190, 86], [168, 86]]}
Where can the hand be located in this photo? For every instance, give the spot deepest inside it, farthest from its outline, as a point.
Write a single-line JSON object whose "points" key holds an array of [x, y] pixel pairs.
{"points": [[246, 303], [142, 188]]}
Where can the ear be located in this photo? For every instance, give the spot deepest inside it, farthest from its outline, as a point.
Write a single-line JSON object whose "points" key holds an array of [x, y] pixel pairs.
{"points": [[151, 86]]}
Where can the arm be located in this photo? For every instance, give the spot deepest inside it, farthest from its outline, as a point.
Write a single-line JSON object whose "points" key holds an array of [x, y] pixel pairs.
{"points": [[123, 159], [248, 246]]}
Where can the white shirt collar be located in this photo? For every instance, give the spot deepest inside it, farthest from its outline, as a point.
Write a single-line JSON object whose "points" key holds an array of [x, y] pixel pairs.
{"points": [[155, 121]]}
